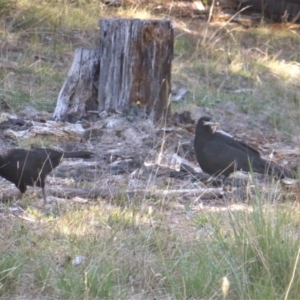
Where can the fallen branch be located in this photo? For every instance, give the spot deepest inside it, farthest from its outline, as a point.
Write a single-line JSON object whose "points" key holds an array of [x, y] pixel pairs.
{"points": [[107, 193]]}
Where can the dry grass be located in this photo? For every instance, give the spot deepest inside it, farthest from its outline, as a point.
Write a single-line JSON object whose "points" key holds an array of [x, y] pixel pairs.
{"points": [[247, 67], [144, 252], [144, 248]]}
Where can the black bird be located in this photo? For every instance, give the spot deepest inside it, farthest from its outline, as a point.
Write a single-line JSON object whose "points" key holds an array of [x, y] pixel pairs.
{"points": [[221, 154], [31, 167]]}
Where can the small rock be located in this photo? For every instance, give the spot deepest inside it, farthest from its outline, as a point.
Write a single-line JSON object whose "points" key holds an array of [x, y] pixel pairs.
{"points": [[78, 260], [179, 95]]}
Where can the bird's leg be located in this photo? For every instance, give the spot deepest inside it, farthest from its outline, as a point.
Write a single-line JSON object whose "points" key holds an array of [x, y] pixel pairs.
{"points": [[228, 187], [210, 179], [224, 180], [20, 197], [213, 180], [44, 195]]}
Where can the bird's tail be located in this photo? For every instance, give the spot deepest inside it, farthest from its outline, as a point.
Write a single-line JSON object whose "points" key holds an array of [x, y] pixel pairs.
{"points": [[260, 165], [78, 154], [279, 171]]}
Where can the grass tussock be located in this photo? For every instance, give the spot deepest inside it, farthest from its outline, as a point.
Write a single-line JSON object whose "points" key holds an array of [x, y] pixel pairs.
{"points": [[103, 251]]}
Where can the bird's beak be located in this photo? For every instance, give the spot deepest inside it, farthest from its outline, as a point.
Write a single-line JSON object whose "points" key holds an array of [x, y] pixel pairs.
{"points": [[210, 123], [213, 125]]}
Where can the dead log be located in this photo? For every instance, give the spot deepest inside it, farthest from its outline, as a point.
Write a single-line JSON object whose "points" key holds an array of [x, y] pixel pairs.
{"points": [[79, 92], [135, 61], [51, 130]]}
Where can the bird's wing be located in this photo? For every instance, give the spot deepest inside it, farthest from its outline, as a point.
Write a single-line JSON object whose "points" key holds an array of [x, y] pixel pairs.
{"points": [[250, 150], [240, 145], [223, 158], [49, 157], [34, 165]]}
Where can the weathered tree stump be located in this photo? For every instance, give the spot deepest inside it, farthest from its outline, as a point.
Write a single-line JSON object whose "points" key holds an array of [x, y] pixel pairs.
{"points": [[133, 65], [79, 92], [135, 60]]}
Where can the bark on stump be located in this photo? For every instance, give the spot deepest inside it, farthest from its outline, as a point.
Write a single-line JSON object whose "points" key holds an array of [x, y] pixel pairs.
{"points": [[133, 65], [79, 92], [135, 62]]}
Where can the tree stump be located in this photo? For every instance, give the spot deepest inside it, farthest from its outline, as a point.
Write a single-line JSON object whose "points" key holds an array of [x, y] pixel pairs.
{"points": [[132, 66], [79, 92], [135, 62]]}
